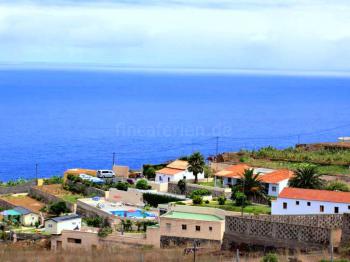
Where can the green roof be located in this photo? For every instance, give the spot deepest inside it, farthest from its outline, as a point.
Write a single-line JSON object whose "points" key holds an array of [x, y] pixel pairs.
{"points": [[194, 216]]}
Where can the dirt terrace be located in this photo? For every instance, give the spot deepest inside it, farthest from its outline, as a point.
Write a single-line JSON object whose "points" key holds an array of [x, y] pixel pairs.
{"points": [[24, 201]]}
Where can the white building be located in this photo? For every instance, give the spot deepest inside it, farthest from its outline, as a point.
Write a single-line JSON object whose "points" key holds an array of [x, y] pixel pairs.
{"points": [[57, 224], [298, 201], [176, 171], [273, 180]]}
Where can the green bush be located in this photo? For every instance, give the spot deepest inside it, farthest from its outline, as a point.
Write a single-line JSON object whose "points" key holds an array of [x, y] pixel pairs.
{"points": [[270, 257], [182, 185], [241, 199], [142, 184], [122, 186], [337, 185], [207, 201], [53, 180], [94, 221], [155, 199], [221, 200], [58, 208], [200, 192], [197, 200], [104, 232]]}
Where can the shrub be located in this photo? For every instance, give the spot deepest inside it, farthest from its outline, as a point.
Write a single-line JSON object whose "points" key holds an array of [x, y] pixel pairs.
{"points": [[221, 200], [197, 200], [94, 221], [182, 185], [337, 185], [122, 186], [155, 199], [207, 201], [58, 208], [150, 172], [200, 192], [104, 232], [270, 257], [142, 184], [53, 180], [241, 199]]}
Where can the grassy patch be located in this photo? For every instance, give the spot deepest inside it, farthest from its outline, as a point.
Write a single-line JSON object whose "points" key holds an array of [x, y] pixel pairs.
{"points": [[71, 198], [218, 183], [229, 206]]}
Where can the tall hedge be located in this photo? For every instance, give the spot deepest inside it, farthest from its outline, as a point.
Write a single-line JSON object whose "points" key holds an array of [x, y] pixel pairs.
{"points": [[154, 199]]}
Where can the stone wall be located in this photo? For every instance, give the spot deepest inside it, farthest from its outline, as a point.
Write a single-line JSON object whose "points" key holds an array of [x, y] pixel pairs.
{"points": [[216, 192], [345, 237], [331, 221], [47, 198], [24, 188], [88, 191], [6, 205], [170, 241], [269, 233]]}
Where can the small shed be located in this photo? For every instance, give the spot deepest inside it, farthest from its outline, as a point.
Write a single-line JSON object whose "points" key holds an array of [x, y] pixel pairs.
{"points": [[55, 225]]}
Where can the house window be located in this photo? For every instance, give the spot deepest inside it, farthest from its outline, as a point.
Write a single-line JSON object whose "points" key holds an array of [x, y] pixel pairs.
{"points": [[273, 189], [308, 204], [348, 207], [184, 227], [74, 240], [198, 228], [168, 179], [297, 203], [321, 208], [336, 210], [50, 225], [284, 205], [160, 178], [210, 228], [184, 177], [229, 180], [168, 226]]}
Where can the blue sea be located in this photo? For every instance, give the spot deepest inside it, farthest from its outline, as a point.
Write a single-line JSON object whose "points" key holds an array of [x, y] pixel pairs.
{"points": [[66, 119]]}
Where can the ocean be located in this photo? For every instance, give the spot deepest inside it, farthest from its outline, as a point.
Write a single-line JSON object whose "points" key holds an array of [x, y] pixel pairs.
{"points": [[65, 119]]}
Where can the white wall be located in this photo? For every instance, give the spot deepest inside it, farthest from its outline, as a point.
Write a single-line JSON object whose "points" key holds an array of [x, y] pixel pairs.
{"points": [[162, 178], [303, 208], [226, 181], [53, 227]]}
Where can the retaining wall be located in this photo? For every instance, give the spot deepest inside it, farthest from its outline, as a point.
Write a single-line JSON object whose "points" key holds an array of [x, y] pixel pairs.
{"points": [[216, 192], [48, 198], [24, 188]]}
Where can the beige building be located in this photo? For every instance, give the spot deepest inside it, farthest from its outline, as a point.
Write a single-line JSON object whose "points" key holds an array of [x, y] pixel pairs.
{"points": [[27, 217], [183, 224]]}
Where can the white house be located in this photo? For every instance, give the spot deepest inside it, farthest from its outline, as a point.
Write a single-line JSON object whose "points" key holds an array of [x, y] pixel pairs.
{"points": [[175, 171], [57, 224], [298, 201], [273, 180], [276, 181]]}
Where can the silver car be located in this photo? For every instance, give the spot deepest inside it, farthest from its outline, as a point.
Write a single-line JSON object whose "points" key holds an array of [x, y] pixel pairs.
{"points": [[105, 173]]}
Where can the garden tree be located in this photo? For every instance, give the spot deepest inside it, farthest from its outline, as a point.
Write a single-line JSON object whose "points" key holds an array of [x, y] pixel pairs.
{"points": [[197, 200], [142, 184], [337, 185], [249, 184], [196, 165], [122, 186], [208, 172], [306, 177], [222, 200], [182, 185], [58, 208], [150, 173]]}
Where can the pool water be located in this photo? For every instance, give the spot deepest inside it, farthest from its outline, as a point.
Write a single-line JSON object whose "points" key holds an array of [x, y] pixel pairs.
{"points": [[134, 213]]}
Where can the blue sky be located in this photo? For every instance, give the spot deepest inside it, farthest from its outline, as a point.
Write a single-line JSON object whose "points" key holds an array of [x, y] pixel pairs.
{"points": [[287, 35]]}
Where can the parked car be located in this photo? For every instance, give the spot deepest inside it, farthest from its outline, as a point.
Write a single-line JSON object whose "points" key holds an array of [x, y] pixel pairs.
{"points": [[105, 173]]}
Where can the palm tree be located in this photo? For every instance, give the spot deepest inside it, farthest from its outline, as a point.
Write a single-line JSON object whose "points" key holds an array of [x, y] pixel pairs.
{"points": [[306, 177], [250, 183], [196, 165]]}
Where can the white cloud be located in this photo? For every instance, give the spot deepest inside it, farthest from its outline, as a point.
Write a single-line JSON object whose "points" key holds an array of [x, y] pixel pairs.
{"points": [[280, 35]]}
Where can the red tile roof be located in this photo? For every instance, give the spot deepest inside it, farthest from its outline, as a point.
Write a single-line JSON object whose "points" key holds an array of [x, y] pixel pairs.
{"points": [[276, 176], [316, 195], [169, 171], [235, 171]]}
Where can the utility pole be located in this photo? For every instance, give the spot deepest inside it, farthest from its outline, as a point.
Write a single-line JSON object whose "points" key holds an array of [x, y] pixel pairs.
{"points": [[36, 171], [216, 158], [113, 159]]}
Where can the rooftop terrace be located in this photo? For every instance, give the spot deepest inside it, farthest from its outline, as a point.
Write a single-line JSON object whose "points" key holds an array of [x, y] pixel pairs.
{"points": [[193, 216]]}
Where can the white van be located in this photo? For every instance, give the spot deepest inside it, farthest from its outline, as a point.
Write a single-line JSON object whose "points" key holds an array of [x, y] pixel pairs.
{"points": [[105, 173]]}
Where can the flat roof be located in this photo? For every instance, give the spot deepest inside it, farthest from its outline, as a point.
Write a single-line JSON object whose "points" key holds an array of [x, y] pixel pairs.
{"points": [[193, 216]]}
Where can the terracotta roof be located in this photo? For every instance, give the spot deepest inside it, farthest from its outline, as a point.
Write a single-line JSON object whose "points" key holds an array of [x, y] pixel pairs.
{"points": [[235, 171], [276, 176], [178, 164], [316, 195], [169, 171]]}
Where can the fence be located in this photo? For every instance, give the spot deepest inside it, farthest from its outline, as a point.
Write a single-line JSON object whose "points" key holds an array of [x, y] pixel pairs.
{"points": [[270, 231]]}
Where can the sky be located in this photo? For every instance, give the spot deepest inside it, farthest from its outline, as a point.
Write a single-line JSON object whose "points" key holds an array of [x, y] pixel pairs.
{"points": [[282, 35]]}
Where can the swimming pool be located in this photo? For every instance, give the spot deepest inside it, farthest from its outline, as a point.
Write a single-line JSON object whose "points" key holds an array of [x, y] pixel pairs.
{"points": [[138, 213]]}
